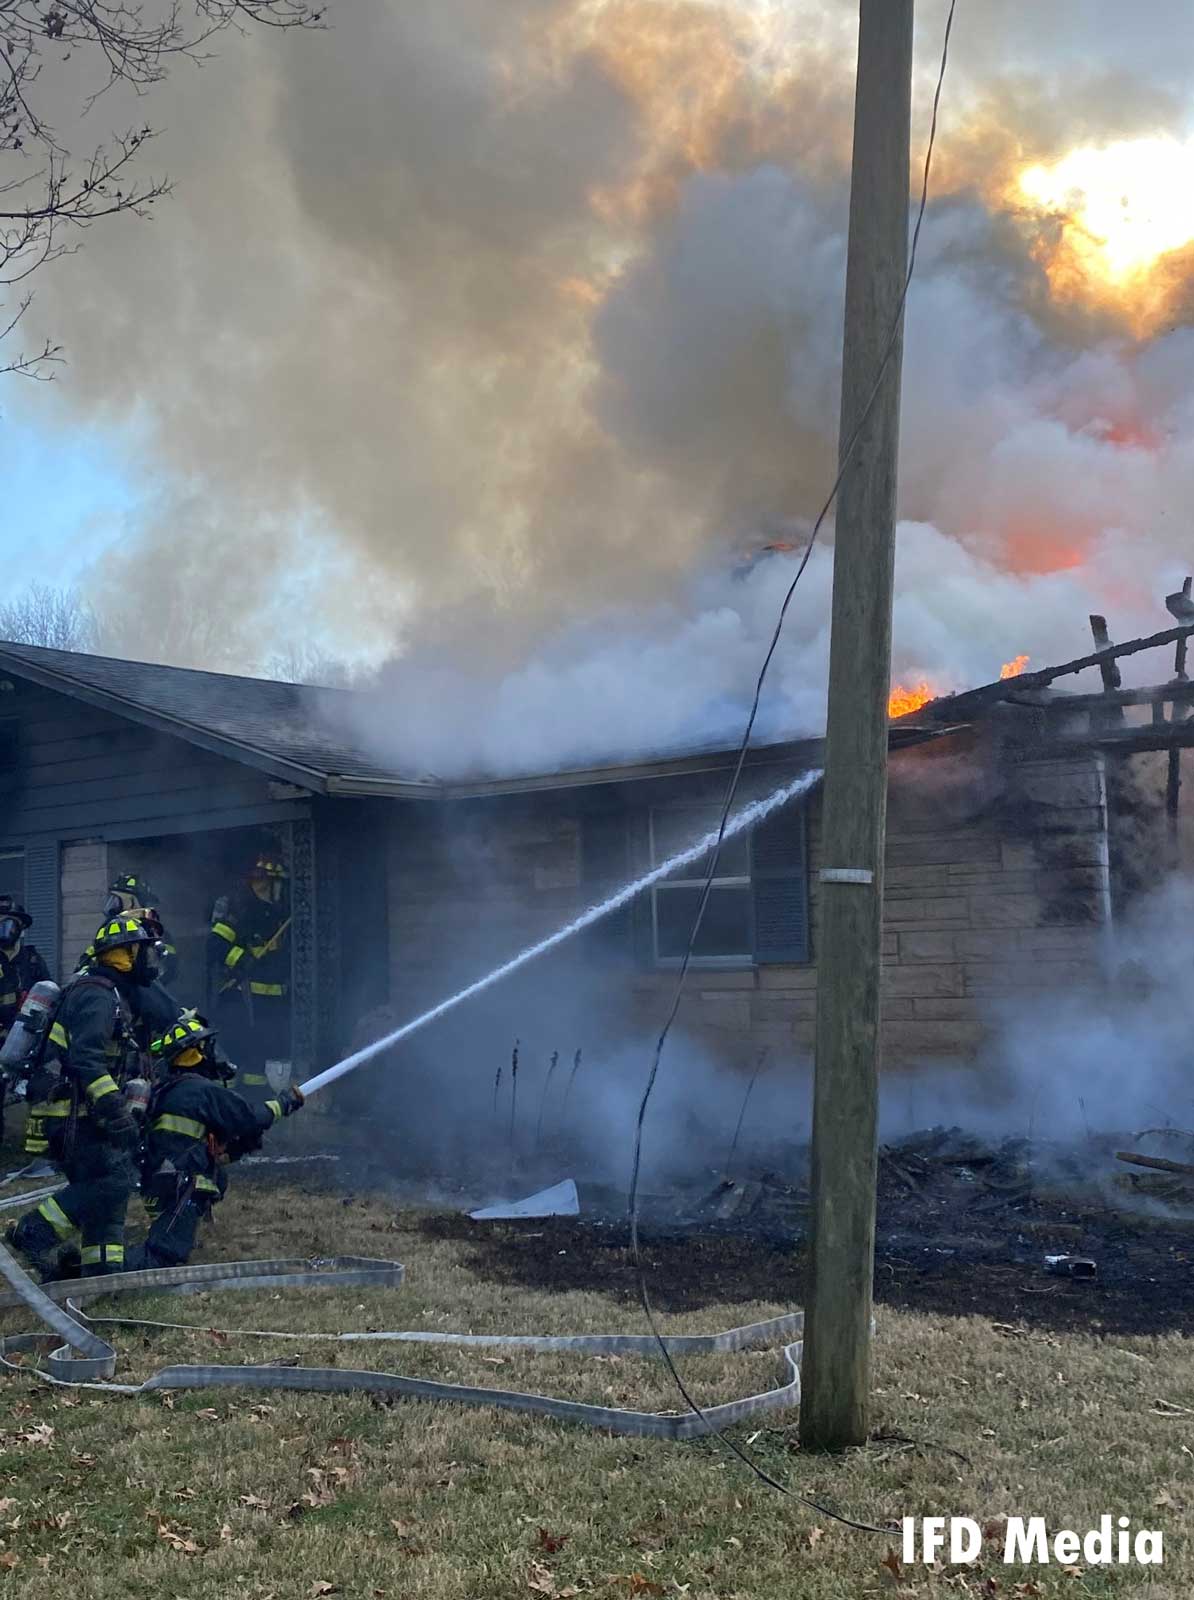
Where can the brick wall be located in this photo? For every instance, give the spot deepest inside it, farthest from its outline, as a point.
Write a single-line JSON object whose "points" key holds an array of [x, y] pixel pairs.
{"points": [[84, 878], [995, 884]]}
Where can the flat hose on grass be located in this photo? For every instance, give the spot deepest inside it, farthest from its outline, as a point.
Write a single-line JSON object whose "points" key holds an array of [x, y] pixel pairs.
{"points": [[76, 1355]]}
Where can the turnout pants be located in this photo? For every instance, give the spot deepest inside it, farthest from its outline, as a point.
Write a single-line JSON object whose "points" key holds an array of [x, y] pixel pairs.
{"points": [[252, 1035], [176, 1206], [91, 1209]]}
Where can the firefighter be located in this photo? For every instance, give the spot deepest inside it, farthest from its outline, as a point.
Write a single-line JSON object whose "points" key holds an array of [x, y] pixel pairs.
{"points": [[128, 892], [21, 966], [195, 1126], [89, 1126], [249, 956], [156, 1009]]}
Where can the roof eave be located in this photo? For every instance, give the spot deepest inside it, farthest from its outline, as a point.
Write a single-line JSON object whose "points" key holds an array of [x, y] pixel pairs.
{"points": [[808, 752], [347, 786], [162, 722]]}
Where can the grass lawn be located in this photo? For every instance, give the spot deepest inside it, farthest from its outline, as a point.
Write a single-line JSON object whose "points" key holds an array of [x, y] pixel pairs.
{"points": [[230, 1495]]}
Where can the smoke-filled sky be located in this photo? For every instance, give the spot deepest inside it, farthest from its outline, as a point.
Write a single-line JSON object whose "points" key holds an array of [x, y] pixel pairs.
{"points": [[491, 336]]}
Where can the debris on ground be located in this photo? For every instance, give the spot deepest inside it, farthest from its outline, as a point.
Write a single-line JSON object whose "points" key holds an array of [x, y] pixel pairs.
{"points": [[1071, 1267], [561, 1200]]}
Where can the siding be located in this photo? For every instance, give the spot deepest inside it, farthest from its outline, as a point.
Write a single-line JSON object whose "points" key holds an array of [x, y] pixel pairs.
{"points": [[996, 884], [75, 772]]}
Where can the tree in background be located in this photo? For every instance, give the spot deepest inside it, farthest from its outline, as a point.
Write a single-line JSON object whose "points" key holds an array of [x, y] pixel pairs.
{"points": [[309, 664], [59, 619], [49, 195]]}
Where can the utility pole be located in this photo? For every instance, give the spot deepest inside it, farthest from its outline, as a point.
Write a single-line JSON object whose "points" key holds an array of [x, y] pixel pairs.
{"points": [[834, 1407]]}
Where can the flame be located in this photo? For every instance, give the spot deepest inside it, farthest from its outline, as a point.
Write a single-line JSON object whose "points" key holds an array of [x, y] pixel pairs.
{"points": [[903, 700], [1119, 213], [1031, 548], [1014, 667]]}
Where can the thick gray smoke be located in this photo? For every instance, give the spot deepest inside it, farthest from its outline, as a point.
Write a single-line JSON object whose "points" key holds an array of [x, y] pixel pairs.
{"points": [[1057, 1068], [491, 338]]}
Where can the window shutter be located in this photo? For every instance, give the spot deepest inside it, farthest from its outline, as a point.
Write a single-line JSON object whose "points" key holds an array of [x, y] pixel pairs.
{"points": [[605, 866], [779, 878], [42, 899]]}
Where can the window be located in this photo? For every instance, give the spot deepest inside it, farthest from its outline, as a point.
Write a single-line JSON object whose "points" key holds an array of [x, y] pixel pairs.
{"points": [[757, 911], [726, 936]]}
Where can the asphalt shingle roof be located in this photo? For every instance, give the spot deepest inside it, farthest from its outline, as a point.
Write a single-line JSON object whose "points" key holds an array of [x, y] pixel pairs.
{"points": [[297, 724]]}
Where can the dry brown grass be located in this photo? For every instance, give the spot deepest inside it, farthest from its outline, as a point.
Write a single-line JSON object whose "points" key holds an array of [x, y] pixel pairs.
{"points": [[234, 1495]]}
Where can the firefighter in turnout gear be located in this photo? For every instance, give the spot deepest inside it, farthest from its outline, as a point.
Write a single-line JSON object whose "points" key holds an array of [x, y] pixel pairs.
{"points": [[156, 1007], [89, 1128], [249, 956], [195, 1126], [130, 893], [21, 966]]}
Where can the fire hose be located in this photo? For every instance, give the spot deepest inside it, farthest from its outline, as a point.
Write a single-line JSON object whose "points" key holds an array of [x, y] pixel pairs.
{"points": [[75, 1355]]}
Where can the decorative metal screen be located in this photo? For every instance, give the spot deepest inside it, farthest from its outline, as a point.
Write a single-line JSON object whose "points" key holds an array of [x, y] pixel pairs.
{"points": [[299, 839]]}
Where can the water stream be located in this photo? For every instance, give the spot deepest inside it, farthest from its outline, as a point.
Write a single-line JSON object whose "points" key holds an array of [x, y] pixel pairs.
{"points": [[741, 820]]}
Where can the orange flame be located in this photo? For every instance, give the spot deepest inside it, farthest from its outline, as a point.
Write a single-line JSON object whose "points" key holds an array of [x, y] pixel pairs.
{"points": [[1014, 667], [903, 700]]}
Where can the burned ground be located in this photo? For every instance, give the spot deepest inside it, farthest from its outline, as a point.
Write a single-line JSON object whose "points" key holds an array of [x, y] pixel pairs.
{"points": [[1145, 1283], [964, 1227]]}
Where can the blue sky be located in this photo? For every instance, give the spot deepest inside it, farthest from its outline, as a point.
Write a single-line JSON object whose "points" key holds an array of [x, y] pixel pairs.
{"points": [[67, 487]]}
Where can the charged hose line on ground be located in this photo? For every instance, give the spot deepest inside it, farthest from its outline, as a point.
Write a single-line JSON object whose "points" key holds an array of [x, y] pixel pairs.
{"points": [[75, 1355]]}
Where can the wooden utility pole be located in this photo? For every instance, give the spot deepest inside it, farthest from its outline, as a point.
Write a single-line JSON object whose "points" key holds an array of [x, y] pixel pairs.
{"points": [[836, 1377]]}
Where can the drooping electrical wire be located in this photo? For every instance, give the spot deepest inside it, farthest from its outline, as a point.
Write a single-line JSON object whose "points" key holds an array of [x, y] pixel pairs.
{"points": [[844, 459]]}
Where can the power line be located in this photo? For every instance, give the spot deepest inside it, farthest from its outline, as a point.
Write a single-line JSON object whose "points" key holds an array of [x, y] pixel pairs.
{"points": [[845, 458]]}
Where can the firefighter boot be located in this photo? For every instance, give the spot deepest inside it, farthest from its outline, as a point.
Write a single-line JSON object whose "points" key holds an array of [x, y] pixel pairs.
{"points": [[34, 1239]]}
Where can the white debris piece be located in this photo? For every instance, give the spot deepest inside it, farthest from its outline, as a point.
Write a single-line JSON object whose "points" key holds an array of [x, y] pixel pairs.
{"points": [[561, 1200]]}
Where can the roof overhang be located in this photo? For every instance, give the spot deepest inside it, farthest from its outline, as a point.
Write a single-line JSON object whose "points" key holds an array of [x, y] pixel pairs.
{"points": [[219, 744], [803, 753], [799, 753]]}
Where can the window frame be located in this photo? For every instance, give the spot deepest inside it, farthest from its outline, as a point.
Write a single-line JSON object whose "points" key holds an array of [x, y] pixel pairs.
{"points": [[708, 963]]}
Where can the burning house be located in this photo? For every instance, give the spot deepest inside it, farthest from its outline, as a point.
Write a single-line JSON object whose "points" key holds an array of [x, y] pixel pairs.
{"points": [[1016, 819]]}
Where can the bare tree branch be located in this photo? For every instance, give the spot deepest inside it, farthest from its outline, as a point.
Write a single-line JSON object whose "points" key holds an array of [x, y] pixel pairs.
{"points": [[62, 194], [57, 619]]}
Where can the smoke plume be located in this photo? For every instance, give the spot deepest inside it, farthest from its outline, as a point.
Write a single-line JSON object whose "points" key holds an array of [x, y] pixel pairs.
{"points": [[492, 341]]}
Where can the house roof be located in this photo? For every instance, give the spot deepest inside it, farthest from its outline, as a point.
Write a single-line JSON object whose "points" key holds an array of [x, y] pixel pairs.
{"points": [[295, 732], [301, 734]]}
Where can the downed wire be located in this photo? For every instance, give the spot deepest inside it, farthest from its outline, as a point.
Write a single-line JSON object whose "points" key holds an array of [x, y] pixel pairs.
{"points": [[846, 455]]}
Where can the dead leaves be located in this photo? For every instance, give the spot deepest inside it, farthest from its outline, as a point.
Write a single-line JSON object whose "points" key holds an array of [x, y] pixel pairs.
{"points": [[40, 1433], [178, 1539], [320, 1588], [541, 1580]]}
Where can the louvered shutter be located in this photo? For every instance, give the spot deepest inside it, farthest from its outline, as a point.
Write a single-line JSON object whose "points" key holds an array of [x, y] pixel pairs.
{"points": [[43, 898], [779, 879]]}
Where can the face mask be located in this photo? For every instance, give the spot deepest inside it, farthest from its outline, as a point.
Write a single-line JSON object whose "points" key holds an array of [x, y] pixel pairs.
{"points": [[145, 965], [10, 934]]}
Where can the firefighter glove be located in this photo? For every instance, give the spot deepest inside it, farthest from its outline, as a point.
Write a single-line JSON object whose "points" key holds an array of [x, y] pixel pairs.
{"points": [[290, 1100], [117, 1122]]}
